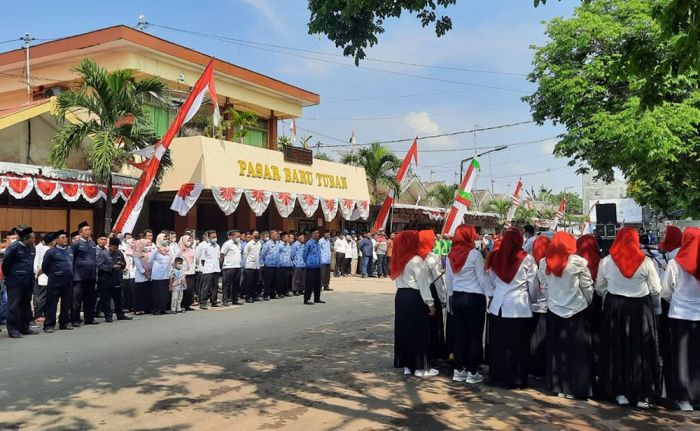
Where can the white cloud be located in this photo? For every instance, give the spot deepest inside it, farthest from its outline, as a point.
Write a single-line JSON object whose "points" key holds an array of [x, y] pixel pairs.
{"points": [[548, 146], [267, 10]]}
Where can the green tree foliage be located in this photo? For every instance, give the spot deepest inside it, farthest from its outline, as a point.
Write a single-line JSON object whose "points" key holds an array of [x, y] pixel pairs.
{"points": [[380, 165], [525, 215], [323, 156], [355, 25], [444, 193], [587, 82], [499, 206], [112, 120]]}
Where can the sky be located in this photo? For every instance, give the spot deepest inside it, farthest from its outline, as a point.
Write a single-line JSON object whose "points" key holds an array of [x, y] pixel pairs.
{"points": [[376, 101]]}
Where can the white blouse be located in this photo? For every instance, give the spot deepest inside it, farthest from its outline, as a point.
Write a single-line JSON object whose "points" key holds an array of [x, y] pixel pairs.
{"points": [[435, 272], [539, 300], [572, 292], [513, 299], [471, 278], [643, 282], [416, 276], [661, 260], [682, 290]]}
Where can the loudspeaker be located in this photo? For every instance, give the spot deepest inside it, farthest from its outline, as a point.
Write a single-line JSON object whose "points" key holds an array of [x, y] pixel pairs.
{"points": [[606, 214]]}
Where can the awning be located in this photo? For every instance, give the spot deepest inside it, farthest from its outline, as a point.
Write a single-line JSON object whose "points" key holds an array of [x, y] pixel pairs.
{"points": [[231, 170], [439, 213]]}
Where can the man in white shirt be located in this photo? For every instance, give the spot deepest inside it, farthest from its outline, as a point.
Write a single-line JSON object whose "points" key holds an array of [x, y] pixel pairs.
{"points": [[251, 257], [231, 255], [529, 238], [41, 279], [210, 254], [339, 246], [199, 248]]}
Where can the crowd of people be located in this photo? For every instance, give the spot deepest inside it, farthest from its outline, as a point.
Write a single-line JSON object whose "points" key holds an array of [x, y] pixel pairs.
{"points": [[63, 281], [623, 327]]}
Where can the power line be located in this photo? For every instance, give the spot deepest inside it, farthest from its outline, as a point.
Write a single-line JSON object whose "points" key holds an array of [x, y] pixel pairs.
{"points": [[398, 117], [534, 173]]}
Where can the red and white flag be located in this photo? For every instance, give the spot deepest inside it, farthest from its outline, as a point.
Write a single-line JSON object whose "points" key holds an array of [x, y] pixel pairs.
{"points": [[383, 215], [515, 203], [186, 198], [560, 212], [463, 199], [293, 131], [130, 213]]}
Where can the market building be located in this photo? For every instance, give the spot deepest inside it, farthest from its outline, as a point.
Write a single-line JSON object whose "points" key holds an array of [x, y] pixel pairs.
{"points": [[319, 195]]}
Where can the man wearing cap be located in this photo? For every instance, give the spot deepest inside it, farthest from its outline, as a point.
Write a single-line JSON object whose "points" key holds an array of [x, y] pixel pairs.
{"points": [[84, 276], [110, 265], [57, 266], [18, 269]]}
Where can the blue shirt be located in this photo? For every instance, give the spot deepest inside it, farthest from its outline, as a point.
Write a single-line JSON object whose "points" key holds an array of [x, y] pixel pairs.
{"points": [[297, 255], [243, 243], [285, 252], [270, 254], [325, 251], [366, 247], [311, 254]]}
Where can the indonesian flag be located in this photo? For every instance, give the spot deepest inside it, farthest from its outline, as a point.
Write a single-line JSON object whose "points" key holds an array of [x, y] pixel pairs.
{"points": [[353, 144], [463, 199], [293, 131], [186, 198], [560, 212], [130, 213], [515, 203], [383, 215]]}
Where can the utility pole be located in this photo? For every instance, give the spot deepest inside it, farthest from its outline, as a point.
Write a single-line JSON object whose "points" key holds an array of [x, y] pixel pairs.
{"points": [[141, 25], [27, 39]]}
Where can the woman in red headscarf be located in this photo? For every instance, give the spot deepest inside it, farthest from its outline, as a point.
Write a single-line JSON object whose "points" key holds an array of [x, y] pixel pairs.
{"points": [[438, 347], [587, 247], [681, 288], [512, 272], [568, 287], [538, 324], [414, 305], [467, 286], [629, 366]]}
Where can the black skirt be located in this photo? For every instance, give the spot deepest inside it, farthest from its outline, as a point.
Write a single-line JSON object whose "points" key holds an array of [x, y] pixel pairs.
{"points": [[160, 296], [538, 336], [629, 351], [438, 348], [664, 341], [469, 316], [684, 360], [142, 297], [569, 360], [411, 330], [509, 350], [595, 313]]}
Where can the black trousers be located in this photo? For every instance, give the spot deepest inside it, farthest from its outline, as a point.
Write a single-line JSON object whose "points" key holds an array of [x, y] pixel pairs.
{"points": [[298, 280], [209, 288], [313, 284], [269, 275], [39, 300], [283, 282], [251, 283], [197, 286], [110, 294], [85, 295], [231, 283], [188, 294], [128, 293], [325, 275], [142, 297], [339, 264], [19, 307], [160, 296], [65, 295]]}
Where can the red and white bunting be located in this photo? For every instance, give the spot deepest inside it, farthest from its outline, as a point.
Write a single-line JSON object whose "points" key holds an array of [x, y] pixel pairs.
{"points": [[258, 200], [285, 201], [91, 192], [434, 215], [361, 211], [309, 204], [46, 189], [19, 187], [329, 208], [70, 191], [227, 198], [186, 197], [347, 206]]}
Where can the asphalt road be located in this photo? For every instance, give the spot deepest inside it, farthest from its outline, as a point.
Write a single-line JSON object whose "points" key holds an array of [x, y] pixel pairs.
{"points": [[273, 365]]}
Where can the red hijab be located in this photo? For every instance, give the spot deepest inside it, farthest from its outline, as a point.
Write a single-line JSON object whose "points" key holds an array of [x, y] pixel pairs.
{"points": [[462, 244], [563, 244], [427, 242], [626, 251], [587, 248], [689, 255], [405, 248], [672, 239], [506, 261], [539, 248]]}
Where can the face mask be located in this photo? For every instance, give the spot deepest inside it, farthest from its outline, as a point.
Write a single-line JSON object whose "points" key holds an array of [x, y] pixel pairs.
{"points": [[212, 240], [165, 243], [178, 266]]}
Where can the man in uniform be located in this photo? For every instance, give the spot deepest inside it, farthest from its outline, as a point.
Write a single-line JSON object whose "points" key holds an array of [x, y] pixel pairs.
{"points": [[84, 277], [209, 257], [18, 269], [57, 265], [324, 246], [270, 257], [298, 261], [231, 270], [283, 282], [110, 265]]}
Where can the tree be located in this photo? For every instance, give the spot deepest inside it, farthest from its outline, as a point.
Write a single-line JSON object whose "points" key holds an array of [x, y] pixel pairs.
{"points": [[445, 194], [574, 203], [525, 215], [380, 165], [112, 120], [355, 25], [587, 82], [499, 206], [241, 122], [323, 156]]}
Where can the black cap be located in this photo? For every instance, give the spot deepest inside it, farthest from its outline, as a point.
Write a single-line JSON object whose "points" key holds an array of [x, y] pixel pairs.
{"points": [[74, 234], [114, 241], [25, 231], [59, 233], [82, 225]]}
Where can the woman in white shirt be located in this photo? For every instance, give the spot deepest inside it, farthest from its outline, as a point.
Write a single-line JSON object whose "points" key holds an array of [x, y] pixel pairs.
{"points": [[414, 305], [161, 263], [681, 288], [142, 276], [467, 288], [512, 273], [538, 335], [186, 246], [629, 284], [438, 349], [567, 284]]}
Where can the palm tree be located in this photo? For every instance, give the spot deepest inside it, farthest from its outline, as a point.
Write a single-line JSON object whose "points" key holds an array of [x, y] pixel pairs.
{"points": [[499, 206], [241, 122], [525, 215], [380, 164], [444, 193], [112, 121]]}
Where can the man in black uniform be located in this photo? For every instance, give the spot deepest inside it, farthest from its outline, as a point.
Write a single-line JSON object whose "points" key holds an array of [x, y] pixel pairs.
{"points": [[84, 275], [58, 267], [18, 268], [110, 264]]}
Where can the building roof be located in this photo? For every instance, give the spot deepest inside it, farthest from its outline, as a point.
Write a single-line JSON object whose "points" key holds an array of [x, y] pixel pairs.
{"points": [[123, 33]]}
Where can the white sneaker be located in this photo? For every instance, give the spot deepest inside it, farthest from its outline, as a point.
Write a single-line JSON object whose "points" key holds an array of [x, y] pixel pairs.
{"points": [[643, 404], [474, 378], [685, 406], [427, 373], [407, 371], [561, 395], [622, 400], [459, 376]]}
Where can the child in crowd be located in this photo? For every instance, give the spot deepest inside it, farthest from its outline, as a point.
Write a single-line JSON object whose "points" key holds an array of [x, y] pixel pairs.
{"points": [[178, 284]]}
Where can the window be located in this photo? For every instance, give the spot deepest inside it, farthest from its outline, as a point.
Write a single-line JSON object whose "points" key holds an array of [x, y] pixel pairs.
{"points": [[256, 136], [160, 118]]}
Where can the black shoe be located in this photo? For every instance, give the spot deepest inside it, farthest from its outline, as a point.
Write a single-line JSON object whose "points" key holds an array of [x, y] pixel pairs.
{"points": [[327, 289], [266, 298], [124, 318], [100, 314], [110, 320], [169, 312], [288, 294], [308, 303], [76, 325], [214, 305], [237, 303], [91, 323], [28, 332], [249, 301], [203, 307], [15, 334], [319, 302], [66, 328], [48, 330], [189, 309]]}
